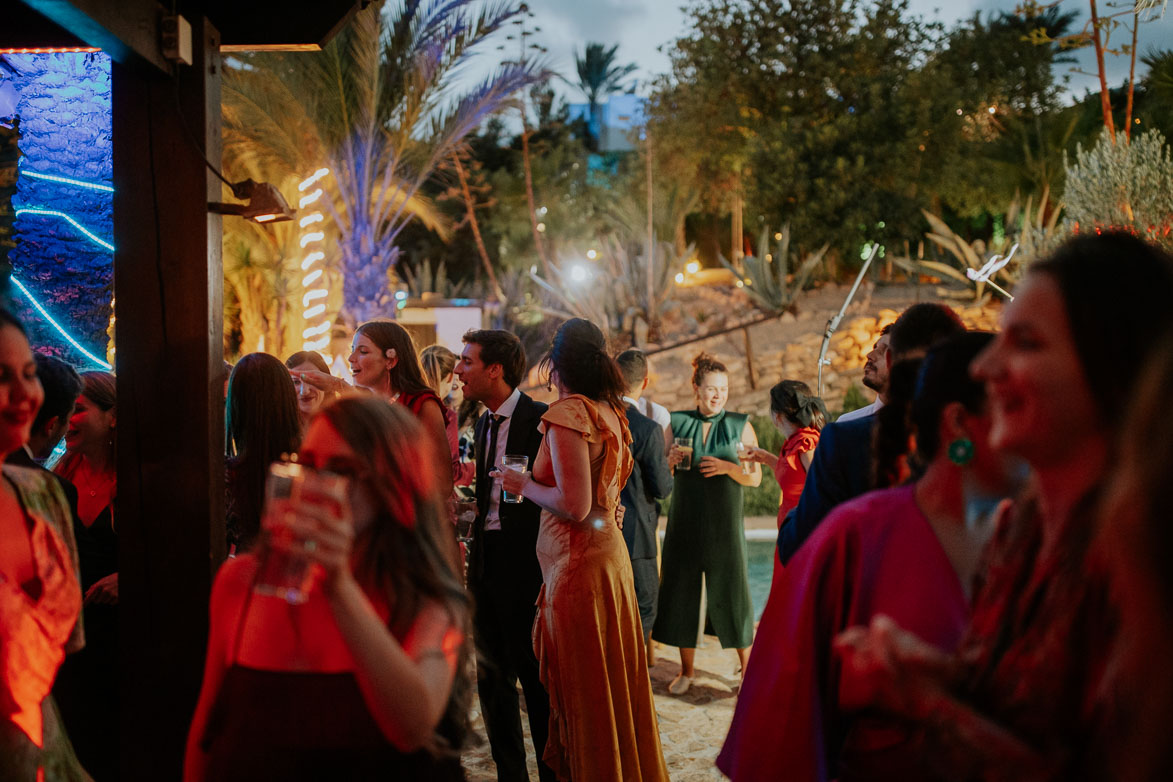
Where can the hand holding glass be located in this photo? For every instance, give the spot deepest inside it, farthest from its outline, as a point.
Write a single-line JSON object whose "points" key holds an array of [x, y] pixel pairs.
{"points": [[291, 493], [683, 446], [517, 464], [743, 452]]}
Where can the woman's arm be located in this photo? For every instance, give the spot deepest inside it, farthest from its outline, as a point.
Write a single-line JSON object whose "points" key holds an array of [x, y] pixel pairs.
{"points": [[711, 465], [806, 457], [406, 687], [762, 456], [571, 496]]}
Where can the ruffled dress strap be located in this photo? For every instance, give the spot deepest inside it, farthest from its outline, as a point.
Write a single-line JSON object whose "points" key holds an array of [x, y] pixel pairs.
{"points": [[581, 414], [803, 440]]}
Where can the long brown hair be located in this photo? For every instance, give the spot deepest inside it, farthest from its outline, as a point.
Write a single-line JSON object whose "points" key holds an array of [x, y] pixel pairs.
{"points": [[406, 376], [102, 389], [408, 554]]}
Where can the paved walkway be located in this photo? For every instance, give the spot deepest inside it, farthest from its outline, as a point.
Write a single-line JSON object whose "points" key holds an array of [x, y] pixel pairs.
{"points": [[692, 727]]}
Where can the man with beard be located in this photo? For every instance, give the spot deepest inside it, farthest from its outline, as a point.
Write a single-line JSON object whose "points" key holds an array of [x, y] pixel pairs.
{"points": [[875, 377]]}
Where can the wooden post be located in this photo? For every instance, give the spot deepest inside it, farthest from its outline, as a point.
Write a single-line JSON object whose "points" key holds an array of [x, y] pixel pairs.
{"points": [[168, 280], [753, 379]]}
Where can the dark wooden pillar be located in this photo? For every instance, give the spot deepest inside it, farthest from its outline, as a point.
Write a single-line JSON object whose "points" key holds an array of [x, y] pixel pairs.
{"points": [[168, 284]]}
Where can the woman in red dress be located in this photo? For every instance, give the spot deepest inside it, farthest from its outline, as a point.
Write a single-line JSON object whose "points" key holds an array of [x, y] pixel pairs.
{"points": [[800, 417]]}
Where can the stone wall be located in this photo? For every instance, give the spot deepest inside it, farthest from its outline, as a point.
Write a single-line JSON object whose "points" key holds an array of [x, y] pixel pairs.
{"points": [[65, 124], [788, 348]]}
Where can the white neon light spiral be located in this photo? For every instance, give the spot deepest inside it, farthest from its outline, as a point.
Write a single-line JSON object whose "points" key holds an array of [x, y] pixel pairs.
{"points": [[314, 282]]}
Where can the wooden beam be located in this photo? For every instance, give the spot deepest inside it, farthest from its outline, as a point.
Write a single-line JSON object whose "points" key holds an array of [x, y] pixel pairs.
{"points": [[127, 30], [168, 281]]}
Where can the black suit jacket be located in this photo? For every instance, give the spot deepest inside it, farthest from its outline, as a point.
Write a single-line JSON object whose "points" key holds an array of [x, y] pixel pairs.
{"points": [[841, 470], [650, 480], [519, 522]]}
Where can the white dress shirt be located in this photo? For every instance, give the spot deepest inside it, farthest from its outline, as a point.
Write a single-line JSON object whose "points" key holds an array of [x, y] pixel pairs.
{"points": [[861, 412], [657, 413], [493, 515]]}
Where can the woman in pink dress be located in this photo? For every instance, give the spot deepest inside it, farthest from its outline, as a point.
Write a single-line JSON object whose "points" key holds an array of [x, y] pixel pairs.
{"points": [[1023, 696], [906, 552]]}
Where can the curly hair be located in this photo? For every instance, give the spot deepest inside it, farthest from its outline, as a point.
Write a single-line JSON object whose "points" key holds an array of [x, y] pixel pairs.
{"points": [[702, 365]]}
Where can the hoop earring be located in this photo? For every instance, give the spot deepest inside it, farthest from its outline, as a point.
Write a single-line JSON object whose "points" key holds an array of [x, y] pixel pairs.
{"points": [[961, 451]]}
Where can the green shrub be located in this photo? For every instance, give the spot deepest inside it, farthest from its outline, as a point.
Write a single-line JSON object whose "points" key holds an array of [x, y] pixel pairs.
{"points": [[762, 500], [854, 399]]}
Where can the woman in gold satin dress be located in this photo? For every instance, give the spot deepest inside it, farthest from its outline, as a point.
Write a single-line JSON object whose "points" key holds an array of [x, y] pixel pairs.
{"points": [[587, 635]]}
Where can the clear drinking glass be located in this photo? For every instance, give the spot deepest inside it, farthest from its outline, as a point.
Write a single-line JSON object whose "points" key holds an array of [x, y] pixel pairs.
{"points": [[684, 445], [285, 569], [742, 452], [513, 462]]}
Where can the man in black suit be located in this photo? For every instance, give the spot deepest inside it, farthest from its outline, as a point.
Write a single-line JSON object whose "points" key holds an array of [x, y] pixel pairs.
{"points": [[842, 464], [503, 575], [62, 386], [650, 480]]}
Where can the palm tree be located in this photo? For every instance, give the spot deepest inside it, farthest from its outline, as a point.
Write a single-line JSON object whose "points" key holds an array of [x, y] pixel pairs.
{"points": [[375, 107], [598, 77]]}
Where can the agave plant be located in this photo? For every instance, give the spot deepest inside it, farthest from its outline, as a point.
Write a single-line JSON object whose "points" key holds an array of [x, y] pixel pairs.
{"points": [[374, 106], [767, 279], [428, 279], [1032, 234]]}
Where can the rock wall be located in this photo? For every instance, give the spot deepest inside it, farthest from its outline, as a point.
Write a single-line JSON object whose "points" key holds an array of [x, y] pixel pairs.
{"points": [[65, 124], [787, 348]]}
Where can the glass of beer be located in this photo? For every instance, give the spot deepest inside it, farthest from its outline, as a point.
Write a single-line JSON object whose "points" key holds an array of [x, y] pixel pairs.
{"points": [[285, 569], [517, 463], [684, 446], [742, 453]]}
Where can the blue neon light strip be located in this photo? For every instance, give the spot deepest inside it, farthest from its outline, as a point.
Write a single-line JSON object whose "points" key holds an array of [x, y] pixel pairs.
{"points": [[54, 213], [64, 180], [56, 325]]}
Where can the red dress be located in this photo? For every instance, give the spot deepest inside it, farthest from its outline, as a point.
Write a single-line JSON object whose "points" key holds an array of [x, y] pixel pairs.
{"points": [[790, 471]]}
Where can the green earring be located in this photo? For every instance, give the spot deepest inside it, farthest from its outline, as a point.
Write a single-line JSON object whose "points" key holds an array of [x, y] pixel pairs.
{"points": [[961, 451]]}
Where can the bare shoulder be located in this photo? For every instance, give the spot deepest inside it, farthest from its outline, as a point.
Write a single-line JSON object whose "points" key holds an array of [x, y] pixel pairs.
{"points": [[233, 580]]}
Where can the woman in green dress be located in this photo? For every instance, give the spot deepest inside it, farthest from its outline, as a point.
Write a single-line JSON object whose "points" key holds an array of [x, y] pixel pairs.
{"points": [[704, 548]]}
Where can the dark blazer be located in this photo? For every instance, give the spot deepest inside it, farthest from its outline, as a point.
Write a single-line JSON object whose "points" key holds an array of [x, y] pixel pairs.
{"points": [[841, 469], [519, 522], [650, 480]]}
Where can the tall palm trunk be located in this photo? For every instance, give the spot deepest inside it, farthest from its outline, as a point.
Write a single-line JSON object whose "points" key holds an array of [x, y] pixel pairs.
{"points": [[476, 229]]}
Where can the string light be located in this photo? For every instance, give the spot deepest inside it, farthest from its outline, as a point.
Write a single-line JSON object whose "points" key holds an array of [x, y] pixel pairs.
{"points": [[54, 213], [51, 50], [68, 338], [64, 180], [309, 199], [312, 241]]}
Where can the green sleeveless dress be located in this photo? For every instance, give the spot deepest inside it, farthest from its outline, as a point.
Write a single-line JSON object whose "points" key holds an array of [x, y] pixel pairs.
{"points": [[705, 537]]}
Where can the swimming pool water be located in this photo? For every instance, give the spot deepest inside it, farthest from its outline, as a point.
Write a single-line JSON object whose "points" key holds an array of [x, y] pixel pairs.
{"points": [[760, 566]]}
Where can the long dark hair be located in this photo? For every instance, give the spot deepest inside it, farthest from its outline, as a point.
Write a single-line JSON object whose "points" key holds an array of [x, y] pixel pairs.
{"points": [[406, 376], [1116, 291], [262, 424], [408, 554], [101, 389], [793, 400], [918, 392], [578, 353]]}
